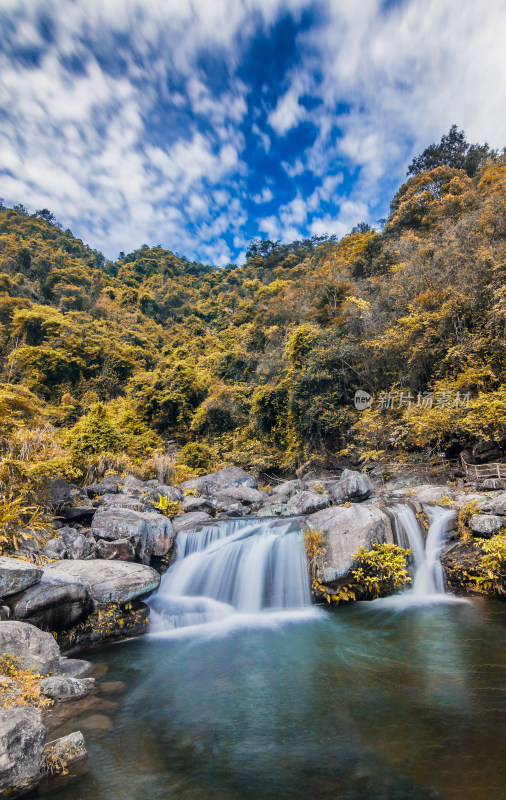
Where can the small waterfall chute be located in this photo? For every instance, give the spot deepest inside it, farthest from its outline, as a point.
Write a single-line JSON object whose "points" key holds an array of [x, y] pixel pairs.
{"points": [[247, 566], [428, 582]]}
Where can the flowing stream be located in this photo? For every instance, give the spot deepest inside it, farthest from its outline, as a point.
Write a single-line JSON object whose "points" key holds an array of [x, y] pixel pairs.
{"points": [[248, 692]]}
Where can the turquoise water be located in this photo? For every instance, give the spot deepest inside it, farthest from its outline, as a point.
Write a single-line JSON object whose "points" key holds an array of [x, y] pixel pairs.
{"points": [[356, 703]]}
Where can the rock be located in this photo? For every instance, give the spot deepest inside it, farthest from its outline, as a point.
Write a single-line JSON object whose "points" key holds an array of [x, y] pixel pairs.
{"points": [[35, 649], [55, 603], [65, 750], [106, 625], [199, 504], [21, 744], [345, 531], [188, 521], [82, 514], [483, 502], [498, 505], [275, 510], [111, 484], [75, 667], [351, 486], [307, 503], [486, 525], [492, 483], [122, 501], [118, 550], [244, 494], [55, 548], [170, 492], [132, 483], [76, 544], [431, 495], [109, 581], [459, 558], [287, 489], [59, 492], [62, 688], [16, 575], [230, 508], [229, 476], [150, 533]]}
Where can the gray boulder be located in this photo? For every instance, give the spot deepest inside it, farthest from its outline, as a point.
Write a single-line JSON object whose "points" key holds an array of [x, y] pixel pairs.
{"points": [[77, 545], [118, 550], [274, 509], [486, 525], [307, 503], [55, 548], [170, 492], [62, 688], [111, 484], [109, 581], [75, 667], [287, 489], [55, 603], [345, 530], [244, 494], [59, 492], [35, 649], [431, 495], [492, 483], [21, 744], [351, 486], [149, 533], [199, 504], [498, 505], [122, 501], [83, 513], [16, 575], [185, 522], [229, 476]]}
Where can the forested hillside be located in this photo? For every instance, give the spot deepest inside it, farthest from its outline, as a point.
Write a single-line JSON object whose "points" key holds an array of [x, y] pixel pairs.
{"points": [[152, 359]]}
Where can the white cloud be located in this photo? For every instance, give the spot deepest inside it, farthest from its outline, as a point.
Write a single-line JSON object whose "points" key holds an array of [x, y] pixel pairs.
{"points": [[265, 196]]}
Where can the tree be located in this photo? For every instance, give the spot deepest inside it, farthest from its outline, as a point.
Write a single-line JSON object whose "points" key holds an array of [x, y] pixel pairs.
{"points": [[452, 151]]}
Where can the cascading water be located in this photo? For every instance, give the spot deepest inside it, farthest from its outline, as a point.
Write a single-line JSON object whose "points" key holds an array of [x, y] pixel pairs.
{"points": [[428, 582], [246, 566]]}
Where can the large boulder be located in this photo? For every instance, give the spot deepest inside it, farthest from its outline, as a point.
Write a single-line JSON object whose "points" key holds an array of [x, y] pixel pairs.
{"points": [[498, 505], [286, 489], [16, 575], [150, 533], [118, 550], [21, 744], [345, 530], [244, 494], [109, 581], [192, 503], [35, 649], [352, 485], [229, 476], [111, 484], [431, 495], [486, 525], [307, 503], [186, 522], [124, 501], [55, 603]]}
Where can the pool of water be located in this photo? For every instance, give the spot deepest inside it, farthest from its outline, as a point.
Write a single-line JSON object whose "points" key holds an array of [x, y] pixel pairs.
{"points": [[355, 703]]}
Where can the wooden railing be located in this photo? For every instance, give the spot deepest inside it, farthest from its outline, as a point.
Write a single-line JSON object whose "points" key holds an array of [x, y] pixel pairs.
{"points": [[477, 471]]}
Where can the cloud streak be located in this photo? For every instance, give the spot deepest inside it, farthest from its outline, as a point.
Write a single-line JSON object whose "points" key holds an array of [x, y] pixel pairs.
{"points": [[160, 122]]}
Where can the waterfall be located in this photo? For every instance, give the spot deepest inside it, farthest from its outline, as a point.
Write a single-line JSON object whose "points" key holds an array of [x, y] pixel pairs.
{"points": [[246, 566], [428, 582]]}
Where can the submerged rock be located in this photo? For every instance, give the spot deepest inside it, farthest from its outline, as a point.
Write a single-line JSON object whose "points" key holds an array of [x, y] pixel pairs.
{"points": [[21, 744], [109, 581], [63, 688], [35, 649]]}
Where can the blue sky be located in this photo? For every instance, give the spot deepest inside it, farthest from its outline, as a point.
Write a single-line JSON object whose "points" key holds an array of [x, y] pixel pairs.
{"points": [[200, 124]]}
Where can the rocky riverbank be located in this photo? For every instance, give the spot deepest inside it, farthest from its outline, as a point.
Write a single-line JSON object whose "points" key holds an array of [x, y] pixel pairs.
{"points": [[88, 583]]}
